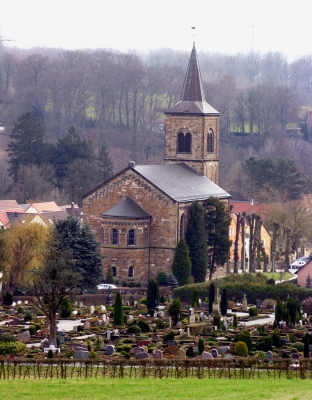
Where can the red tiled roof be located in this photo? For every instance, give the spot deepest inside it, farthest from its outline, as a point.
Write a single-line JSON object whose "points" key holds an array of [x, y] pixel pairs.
{"points": [[244, 206]]}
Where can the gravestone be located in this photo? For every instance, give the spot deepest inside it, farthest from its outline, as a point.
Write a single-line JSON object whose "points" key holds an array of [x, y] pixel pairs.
{"points": [[108, 334], [269, 355], [155, 337], [171, 343], [102, 308], [104, 318], [26, 302], [188, 331], [137, 350], [142, 355], [217, 299], [80, 304], [110, 350], [158, 355], [19, 302], [295, 356], [81, 354], [86, 325], [143, 342], [206, 355], [181, 354], [181, 331], [92, 309], [130, 317], [25, 336], [170, 322], [223, 349], [228, 356], [214, 353], [191, 316], [12, 311]]}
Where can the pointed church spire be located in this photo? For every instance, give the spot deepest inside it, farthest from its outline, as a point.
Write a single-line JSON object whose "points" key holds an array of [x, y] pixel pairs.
{"points": [[193, 87], [193, 99]]}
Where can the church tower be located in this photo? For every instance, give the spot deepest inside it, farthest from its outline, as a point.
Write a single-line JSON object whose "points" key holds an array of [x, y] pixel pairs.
{"points": [[193, 127]]}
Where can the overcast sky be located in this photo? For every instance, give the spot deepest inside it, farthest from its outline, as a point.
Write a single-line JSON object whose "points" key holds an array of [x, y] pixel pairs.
{"points": [[223, 26]]}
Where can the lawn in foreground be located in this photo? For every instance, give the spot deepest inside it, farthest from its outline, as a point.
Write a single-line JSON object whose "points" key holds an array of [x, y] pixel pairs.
{"points": [[139, 389]]}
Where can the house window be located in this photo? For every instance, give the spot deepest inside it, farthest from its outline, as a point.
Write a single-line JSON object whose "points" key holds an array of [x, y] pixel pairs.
{"points": [[131, 272], [184, 142], [114, 270], [131, 237], [210, 141], [114, 237], [182, 227], [231, 231]]}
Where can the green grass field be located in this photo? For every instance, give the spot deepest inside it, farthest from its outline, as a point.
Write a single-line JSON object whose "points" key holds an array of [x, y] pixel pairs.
{"points": [[139, 389]]}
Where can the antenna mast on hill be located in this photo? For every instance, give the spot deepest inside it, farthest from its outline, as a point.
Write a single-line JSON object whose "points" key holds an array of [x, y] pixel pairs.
{"points": [[1, 43]]}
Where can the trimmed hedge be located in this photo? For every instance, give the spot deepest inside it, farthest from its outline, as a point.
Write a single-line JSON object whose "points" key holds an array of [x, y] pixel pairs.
{"points": [[15, 348], [255, 287]]}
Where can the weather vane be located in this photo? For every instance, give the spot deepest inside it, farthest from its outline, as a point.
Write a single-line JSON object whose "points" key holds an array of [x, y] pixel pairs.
{"points": [[193, 28]]}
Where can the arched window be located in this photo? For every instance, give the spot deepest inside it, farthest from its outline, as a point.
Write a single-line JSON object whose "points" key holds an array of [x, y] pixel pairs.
{"points": [[114, 237], [145, 237], [210, 141], [131, 272], [182, 227], [102, 235], [131, 237], [114, 270], [184, 142]]}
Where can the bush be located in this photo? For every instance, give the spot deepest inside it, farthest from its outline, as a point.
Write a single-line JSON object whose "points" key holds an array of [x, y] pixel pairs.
{"points": [[245, 337], [253, 311], [32, 329], [134, 329], [241, 349], [8, 338], [169, 336], [65, 309], [216, 321], [27, 316], [201, 345], [161, 278], [143, 301], [8, 299], [160, 324], [15, 348], [50, 354], [144, 326], [93, 354]]}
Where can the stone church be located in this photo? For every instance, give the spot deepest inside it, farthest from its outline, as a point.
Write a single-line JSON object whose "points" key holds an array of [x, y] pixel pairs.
{"points": [[140, 214]]}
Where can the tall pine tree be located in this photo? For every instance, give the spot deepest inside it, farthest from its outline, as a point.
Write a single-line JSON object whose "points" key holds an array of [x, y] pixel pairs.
{"points": [[195, 237], [217, 221], [181, 265], [78, 239]]}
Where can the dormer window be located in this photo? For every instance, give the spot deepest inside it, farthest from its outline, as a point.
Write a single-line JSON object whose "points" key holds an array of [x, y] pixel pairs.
{"points": [[184, 142]]}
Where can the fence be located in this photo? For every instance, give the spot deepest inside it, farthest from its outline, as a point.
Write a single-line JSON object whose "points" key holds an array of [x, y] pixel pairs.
{"points": [[116, 368]]}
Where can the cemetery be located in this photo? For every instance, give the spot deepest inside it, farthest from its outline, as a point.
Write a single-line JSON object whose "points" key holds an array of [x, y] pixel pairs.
{"points": [[193, 339]]}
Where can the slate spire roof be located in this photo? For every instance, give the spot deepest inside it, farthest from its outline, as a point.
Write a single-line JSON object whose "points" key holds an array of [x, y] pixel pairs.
{"points": [[193, 99]]}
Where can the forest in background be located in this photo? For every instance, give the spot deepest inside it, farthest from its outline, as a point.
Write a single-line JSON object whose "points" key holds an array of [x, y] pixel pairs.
{"points": [[118, 99]]}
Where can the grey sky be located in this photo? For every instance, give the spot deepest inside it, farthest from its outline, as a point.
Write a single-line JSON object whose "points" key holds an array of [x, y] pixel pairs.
{"points": [[221, 25]]}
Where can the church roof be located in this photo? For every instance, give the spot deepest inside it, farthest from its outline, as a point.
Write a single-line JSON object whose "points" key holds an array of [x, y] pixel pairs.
{"points": [[193, 99], [127, 208], [180, 182]]}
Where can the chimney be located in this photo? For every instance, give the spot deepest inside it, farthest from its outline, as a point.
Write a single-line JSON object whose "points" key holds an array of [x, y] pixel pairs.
{"points": [[72, 206], [131, 164]]}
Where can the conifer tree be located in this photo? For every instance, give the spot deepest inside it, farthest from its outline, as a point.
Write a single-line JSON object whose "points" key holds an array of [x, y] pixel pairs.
{"points": [[224, 301], [118, 310], [105, 164], [217, 220], [84, 248], [211, 296], [195, 237], [195, 298], [152, 296], [109, 275], [181, 265]]}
